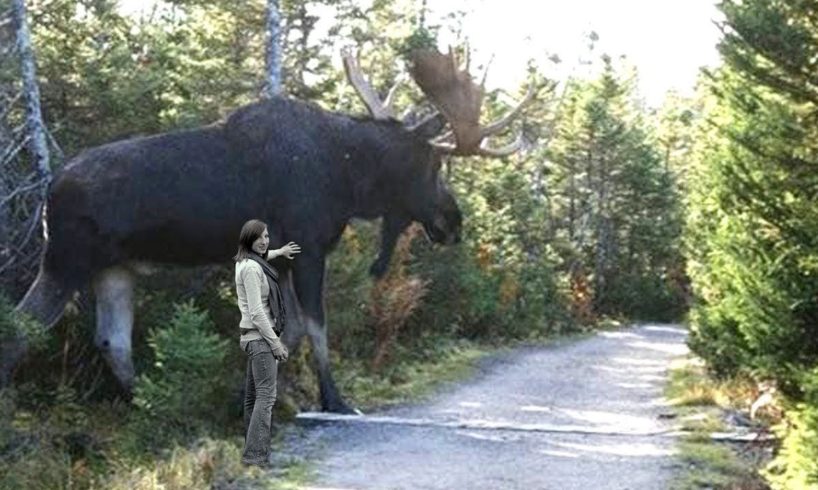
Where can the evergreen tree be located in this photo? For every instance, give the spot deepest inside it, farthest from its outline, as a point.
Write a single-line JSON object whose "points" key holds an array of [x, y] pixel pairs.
{"points": [[618, 207], [752, 228]]}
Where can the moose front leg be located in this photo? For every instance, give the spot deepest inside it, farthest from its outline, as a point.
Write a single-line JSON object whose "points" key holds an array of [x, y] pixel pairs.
{"points": [[391, 228], [308, 276]]}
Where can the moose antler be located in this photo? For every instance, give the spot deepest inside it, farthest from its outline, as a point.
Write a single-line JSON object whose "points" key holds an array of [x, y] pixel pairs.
{"points": [[378, 109], [455, 94]]}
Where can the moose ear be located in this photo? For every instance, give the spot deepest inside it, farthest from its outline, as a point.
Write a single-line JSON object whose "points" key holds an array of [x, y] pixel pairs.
{"points": [[429, 127]]}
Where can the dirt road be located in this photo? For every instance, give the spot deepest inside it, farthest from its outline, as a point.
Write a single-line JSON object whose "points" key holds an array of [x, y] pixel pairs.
{"points": [[577, 415]]}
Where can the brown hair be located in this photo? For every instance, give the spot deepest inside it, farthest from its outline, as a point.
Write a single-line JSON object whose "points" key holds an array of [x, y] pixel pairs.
{"points": [[249, 234]]}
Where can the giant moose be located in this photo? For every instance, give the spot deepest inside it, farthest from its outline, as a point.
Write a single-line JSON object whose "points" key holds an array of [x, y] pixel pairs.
{"points": [[124, 208]]}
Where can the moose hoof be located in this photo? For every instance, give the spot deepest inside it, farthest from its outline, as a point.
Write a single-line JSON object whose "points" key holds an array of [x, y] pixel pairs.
{"points": [[342, 408]]}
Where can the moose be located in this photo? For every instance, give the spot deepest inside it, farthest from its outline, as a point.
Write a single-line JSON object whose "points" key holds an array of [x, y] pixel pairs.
{"points": [[125, 208]]}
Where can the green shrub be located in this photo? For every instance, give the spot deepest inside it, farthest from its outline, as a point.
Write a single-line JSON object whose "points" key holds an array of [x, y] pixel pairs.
{"points": [[185, 390], [718, 340], [12, 323], [646, 297], [796, 464]]}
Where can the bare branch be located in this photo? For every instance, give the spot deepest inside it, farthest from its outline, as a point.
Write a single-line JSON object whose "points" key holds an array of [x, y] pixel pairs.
{"points": [[20, 249], [21, 190], [57, 149], [12, 151]]}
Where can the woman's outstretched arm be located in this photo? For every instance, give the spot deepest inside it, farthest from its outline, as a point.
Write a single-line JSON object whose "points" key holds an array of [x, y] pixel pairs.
{"points": [[286, 251]]}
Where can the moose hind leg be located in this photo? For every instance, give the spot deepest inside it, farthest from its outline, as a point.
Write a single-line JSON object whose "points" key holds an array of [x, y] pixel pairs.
{"points": [[331, 400], [308, 278], [114, 289]]}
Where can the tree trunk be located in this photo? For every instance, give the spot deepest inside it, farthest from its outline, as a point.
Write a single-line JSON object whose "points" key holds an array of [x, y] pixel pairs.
{"points": [[572, 204], [5, 190], [273, 51], [603, 232], [6, 142], [22, 203], [38, 145]]}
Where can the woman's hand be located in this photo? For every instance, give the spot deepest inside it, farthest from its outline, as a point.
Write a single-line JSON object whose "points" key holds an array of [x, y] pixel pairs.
{"points": [[289, 249], [280, 352]]}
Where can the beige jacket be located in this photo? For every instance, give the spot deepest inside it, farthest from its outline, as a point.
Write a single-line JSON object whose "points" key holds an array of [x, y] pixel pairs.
{"points": [[252, 291]]}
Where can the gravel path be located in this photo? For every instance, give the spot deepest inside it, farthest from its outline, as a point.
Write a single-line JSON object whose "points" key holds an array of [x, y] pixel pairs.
{"points": [[576, 415]]}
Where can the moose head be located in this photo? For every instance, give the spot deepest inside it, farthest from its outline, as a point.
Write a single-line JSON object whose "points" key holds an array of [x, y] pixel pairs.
{"points": [[458, 101]]}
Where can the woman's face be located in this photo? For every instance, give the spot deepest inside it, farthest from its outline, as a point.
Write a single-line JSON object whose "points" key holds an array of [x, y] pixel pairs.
{"points": [[260, 245]]}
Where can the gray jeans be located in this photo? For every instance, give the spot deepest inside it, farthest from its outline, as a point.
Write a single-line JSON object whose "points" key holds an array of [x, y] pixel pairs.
{"points": [[259, 397]]}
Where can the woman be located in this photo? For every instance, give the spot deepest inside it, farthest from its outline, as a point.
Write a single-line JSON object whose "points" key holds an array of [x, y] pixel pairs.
{"points": [[258, 334]]}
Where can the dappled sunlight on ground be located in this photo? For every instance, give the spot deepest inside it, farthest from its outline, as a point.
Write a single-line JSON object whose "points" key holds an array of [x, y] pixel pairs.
{"points": [[632, 361], [666, 329], [620, 335], [672, 349], [483, 435], [629, 370], [627, 448], [536, 408], [635, 386], [619, 421], [558, 454]]}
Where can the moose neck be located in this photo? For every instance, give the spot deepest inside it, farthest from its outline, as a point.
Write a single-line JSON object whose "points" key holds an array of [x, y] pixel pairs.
{"points": [[376, 161]]}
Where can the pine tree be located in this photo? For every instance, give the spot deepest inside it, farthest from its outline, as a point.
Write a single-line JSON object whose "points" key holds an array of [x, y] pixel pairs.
{"points": [[618, 204], [752, 226]]}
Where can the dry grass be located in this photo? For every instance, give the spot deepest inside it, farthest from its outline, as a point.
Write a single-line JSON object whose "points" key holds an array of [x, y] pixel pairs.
{"points": [[394, 298], [701, 401], [690, 386], [208, 463]]}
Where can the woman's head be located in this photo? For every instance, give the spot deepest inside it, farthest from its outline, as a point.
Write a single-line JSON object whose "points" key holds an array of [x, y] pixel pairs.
{"points": [[253, 237]]}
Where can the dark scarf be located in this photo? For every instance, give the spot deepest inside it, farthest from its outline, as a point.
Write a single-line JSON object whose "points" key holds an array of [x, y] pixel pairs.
{"points": [[275, 298]]}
